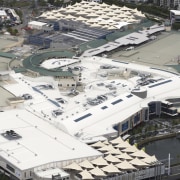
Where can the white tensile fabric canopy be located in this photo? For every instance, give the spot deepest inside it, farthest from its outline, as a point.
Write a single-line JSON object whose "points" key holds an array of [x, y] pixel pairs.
{"points": [[80, 18], [114, 151], [97, 172], [138, 162], [69, 16], [86, 175], [112, 159], [140, 153], [125, 165], [104, 5], [130, 149], [124, 156], [124, 144], [73, 166], [106, 148], [150, 160], [86, 164], [100, 161], [111, 169], [50, 17]]}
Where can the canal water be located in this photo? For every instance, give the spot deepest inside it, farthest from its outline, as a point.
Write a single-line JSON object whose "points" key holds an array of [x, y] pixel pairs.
{"points": [[162, 148]]}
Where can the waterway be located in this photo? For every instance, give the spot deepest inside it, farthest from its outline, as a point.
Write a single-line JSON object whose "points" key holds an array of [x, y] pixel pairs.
{"points": [[162, 148]]}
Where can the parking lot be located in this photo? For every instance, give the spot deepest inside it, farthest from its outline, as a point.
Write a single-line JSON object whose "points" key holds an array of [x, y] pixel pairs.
{"points": [[159, 52]]}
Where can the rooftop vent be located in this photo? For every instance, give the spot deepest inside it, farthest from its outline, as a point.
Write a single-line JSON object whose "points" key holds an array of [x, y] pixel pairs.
{"points": [[11, 135]]}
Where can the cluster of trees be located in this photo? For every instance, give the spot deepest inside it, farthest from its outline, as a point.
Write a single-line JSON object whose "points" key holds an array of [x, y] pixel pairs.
{"points": [[12, 31], [56, 2], [14, 3], [176, 26]]}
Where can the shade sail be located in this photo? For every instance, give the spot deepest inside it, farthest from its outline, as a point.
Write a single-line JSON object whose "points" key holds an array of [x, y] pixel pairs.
{"points": [[124, 156], [138, 162], [111, 169], [86, 175], [70, 17], [80, 18], [122, 145], [97, 172], [106, 142], [99, 162], [99, 143], [73, 166], [150, 160], [112, 159], [130, 149], [140, 153], [115, 151], [86, 164], [125, 165], [106, 148]]}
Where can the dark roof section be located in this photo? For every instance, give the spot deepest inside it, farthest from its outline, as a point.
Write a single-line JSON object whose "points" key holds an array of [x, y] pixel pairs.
{"points": [[33, 63]]}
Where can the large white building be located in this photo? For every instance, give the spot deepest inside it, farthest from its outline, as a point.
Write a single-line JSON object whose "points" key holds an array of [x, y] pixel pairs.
{"points": [[48, 132]]}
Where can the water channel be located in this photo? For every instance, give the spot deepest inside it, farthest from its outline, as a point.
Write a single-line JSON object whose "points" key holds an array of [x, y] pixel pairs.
{"points": [[162, 148]]}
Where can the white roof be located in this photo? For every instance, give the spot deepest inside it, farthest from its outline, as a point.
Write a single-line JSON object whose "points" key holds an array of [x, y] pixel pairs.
{"points": [[176, 12], [3, 13], [37, 23], [31, 150]]}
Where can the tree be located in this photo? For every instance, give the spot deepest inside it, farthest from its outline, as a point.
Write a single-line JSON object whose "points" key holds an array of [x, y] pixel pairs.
{"points": [[51, 2]]}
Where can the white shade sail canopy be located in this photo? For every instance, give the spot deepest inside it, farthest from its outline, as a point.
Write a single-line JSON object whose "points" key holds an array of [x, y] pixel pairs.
{"points": [[124, 156], [150, 160], [125, 165], [140, 153], [73, 166], [130, 149], [111, 169], [122, 145], [114, 152], [106, 148], [98, 144], [99, 162], [97, 172], [138, 162], [86, 164], [112, 159], [85, 175]]}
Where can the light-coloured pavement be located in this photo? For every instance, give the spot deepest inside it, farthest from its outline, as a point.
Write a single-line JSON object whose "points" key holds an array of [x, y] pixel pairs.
{"points": [[159, 52]]}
